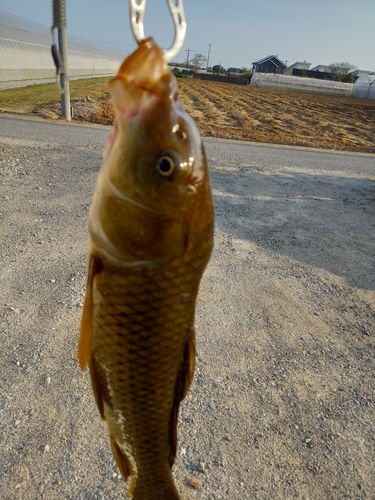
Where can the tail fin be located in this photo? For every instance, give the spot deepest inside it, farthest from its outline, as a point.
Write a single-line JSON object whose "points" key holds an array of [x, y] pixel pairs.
{"points": [[147, 486], [153, 488]]}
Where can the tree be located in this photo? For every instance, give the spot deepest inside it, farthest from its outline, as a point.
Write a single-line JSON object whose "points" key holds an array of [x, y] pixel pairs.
{"points": [[218, 69], [339, 70], [197, 61], [350, 78]]}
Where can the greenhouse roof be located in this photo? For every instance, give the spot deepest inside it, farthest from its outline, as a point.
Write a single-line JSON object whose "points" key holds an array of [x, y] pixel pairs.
{"points": [[19, 23], [368, 78]]}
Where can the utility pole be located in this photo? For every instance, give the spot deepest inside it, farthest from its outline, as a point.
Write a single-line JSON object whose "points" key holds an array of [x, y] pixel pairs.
{"points": [[208, 57], [59, 22], [188, 51]]}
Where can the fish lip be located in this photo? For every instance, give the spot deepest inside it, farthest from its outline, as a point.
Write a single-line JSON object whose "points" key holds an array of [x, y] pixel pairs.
{"points": [[143, 78]]}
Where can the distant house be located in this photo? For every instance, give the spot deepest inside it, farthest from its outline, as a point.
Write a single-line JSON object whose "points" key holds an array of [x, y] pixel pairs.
{"points": [[321, 68], [322, 71], [269, 64], [302, 69], [234, 71], [303, 66], [360, 72]]}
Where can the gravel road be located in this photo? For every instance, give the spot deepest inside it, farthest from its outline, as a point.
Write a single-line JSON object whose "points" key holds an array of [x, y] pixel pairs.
{"points": [[282, 403]]}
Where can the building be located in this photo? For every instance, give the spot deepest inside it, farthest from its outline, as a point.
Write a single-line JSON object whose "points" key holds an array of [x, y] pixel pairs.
{"points": [[303, 66], [234, 71], [364, 87], [269, 64], [25, 55], [360, 72], [311, 85], [321, 68]]}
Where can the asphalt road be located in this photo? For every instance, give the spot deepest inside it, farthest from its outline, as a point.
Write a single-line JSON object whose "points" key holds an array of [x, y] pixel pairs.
{"points": [[237, 152], [282, 404]]}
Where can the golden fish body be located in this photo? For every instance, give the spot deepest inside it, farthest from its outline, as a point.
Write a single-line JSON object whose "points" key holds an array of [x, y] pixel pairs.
{"points": [[151, 228]]}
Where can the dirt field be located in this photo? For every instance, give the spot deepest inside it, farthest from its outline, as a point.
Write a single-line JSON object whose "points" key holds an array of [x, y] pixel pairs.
{"points": [[235, 112]]}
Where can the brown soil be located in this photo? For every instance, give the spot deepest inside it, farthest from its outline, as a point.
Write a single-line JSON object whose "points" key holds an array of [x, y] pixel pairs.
{"points": [[229, 111]]}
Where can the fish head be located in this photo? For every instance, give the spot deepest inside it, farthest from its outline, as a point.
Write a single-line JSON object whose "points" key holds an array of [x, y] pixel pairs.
{"points": [[153, 199]]}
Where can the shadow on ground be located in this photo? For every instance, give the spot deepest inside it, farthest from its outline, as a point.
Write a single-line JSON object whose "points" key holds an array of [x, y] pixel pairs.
{"points": [[326, 221]]}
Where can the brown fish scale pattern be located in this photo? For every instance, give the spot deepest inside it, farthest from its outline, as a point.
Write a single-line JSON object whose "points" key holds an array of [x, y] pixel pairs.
{"points": [[143, 323]]}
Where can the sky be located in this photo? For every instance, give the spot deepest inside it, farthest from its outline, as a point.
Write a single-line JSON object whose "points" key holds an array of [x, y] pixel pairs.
{"points": [[239, 31]]}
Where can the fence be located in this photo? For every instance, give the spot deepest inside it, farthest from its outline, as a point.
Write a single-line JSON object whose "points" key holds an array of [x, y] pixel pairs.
{"points": [[221, 78]]}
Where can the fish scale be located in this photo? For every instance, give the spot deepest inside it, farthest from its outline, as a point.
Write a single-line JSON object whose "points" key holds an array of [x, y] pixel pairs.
{"points": [[147, 352]]}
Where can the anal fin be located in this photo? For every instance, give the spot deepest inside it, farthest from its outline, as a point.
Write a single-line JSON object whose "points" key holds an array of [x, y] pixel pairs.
{"points": [[121, 459], [182, 387]]}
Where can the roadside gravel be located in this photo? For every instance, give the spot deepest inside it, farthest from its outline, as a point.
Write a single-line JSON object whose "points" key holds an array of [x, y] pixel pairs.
{"points": [[282, 403]]}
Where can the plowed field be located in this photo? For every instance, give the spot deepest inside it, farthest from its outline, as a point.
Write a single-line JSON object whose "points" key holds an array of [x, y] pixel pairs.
{"points": [[282, 117], [235, 112]]}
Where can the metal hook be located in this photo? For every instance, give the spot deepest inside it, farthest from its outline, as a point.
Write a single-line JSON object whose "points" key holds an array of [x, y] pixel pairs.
{"points": [[137, 11]]}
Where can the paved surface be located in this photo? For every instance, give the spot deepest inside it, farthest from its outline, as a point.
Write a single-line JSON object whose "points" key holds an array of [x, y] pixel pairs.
{"points": [[282, 404]]}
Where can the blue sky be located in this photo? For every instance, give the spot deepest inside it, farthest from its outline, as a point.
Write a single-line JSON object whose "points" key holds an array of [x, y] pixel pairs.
{"points": [[239, 31]]}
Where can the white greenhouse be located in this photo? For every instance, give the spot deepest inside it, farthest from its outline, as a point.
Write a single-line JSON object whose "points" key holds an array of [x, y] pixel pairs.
{"points": [[364, 87], [25, 54], [313, 85]]}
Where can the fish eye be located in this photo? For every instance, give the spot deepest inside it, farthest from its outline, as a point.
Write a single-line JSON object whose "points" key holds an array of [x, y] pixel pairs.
{"points": [[165, 165], [168, 163]]}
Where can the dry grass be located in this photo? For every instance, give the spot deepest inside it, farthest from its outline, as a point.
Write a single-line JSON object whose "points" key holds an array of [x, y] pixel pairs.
{"points": [[229, 112]]}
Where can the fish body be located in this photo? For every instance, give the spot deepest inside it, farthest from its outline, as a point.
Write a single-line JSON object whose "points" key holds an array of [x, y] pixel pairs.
{"points": [[151, 236]]}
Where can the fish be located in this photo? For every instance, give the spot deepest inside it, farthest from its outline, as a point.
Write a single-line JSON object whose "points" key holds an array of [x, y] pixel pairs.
{"points": [[151, 225]]}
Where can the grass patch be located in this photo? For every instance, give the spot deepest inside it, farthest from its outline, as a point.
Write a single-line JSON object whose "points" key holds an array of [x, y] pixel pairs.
{"points": [[44, 94]]}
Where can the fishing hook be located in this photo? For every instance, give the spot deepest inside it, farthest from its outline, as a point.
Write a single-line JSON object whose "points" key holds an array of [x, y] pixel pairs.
{"points": [[137, 11]]}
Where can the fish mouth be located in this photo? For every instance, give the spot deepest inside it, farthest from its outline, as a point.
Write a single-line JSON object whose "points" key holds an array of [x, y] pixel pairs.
{"points": [[142, 79]]}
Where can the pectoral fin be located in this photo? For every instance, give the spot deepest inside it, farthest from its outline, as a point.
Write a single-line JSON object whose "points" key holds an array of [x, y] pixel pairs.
{"points": [[85, 341], [182, 387]]}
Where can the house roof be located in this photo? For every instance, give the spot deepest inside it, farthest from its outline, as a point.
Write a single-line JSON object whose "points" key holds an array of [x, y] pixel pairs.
{"points": [[360, 72], [264, 59], [321, 67], [300, 63]]}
